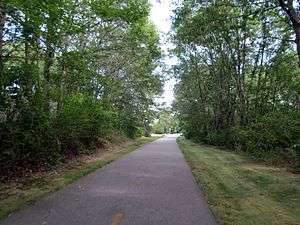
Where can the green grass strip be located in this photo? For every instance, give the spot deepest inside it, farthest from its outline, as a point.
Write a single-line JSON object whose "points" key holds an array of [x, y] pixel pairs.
{"points": [[241, 191]]}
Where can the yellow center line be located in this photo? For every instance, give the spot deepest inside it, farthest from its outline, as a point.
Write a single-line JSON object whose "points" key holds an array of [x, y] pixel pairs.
{"points": [[117, 218]]}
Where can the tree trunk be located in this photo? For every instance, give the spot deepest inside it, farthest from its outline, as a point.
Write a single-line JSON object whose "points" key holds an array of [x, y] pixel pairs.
{"points": [[48, 63], [2, 23], [62, 87], [240, 73], [288, 8], [27, 71], [297, 32]]}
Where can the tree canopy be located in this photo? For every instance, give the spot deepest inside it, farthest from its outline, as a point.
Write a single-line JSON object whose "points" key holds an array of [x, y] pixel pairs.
{"points": [[71, 73], [167, 122], [239, 79]]}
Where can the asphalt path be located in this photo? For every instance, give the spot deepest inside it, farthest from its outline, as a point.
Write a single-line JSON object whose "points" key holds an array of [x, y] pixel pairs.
{"points": [[150, 186]]}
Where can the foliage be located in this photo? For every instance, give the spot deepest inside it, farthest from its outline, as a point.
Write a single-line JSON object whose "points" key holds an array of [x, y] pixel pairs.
{"points": [[274, 136], [82, 121], [239, 79], [71, 73], [166, 123]]}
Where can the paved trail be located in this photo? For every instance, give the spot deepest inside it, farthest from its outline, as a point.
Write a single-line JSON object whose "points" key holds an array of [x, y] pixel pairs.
{"points": [[150, 186]]}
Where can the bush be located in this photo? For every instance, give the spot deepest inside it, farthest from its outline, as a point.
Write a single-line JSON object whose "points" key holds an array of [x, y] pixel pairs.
{"points": [[28, 140], [37, 138], [273, 136], [128, 124], [218, 138], [81, 123]]}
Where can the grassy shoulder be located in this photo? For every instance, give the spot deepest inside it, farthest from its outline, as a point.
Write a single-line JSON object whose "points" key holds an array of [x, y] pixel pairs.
{"points": [[241, 191], [19, 193]]}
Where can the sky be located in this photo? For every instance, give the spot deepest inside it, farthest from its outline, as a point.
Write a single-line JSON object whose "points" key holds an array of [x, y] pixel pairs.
{"points": [[160, 15]]}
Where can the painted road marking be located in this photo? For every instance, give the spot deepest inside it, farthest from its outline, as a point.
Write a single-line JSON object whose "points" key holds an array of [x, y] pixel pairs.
{"points": [[117, 218]]}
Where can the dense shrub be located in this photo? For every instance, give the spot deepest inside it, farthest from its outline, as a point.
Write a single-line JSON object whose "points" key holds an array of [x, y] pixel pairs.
{"points": [[28, 139], [82, 121], [274, 137], [217, 138], [271, 137], [35, 138], [129, 125]]}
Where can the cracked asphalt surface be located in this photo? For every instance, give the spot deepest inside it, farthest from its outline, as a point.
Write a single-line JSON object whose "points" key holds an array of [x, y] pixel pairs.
{"points": [[150, 186]]}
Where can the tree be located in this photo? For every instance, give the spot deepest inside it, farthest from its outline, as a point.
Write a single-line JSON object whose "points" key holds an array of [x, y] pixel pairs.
{"points": [[288, 7], [234, 82], [167, 122], [2, 22], [73, 72]]}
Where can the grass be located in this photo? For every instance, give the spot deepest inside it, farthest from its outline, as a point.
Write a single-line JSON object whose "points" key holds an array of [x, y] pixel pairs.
{"points": [[241, 191], [31, 189]]}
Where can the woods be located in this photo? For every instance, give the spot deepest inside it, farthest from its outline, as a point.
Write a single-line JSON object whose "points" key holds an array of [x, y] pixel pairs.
{"points": [[76, 72], [73, 73], [239, 77], [167, 123], [170, 91]]}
